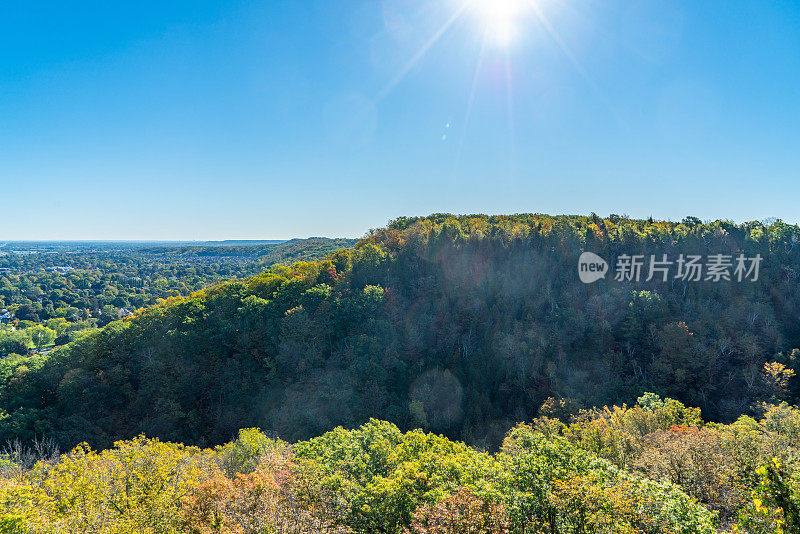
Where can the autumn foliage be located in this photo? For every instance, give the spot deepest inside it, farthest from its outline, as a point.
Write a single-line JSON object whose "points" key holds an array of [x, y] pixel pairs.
{"points": [[374, 479], [460, 513]]}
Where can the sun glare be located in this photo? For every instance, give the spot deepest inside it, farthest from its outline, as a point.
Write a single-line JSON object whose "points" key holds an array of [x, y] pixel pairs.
{"points": [[501, 18]]}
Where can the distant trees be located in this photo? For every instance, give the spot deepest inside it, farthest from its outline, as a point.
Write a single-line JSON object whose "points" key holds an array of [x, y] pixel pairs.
{"points": [[41, 336], [458, 325], [93, 284], [27, 312], [14, 342]]}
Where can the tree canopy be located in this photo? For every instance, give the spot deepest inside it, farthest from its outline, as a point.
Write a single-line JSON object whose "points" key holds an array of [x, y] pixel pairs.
{"points": [[462, 325]]}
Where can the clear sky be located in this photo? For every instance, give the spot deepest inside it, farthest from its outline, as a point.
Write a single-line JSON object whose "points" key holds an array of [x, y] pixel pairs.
{"points": [[278, 119]]}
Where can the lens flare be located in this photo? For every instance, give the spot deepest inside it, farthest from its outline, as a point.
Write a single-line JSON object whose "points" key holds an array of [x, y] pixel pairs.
{"points": [[501, 18]]}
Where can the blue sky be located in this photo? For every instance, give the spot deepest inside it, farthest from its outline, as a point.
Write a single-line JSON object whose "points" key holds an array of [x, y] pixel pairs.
{"points": [[279, 119]]}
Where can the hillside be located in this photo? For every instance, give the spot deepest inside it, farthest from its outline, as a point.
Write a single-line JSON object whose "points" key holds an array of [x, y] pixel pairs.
{"points": [[459, 325]]}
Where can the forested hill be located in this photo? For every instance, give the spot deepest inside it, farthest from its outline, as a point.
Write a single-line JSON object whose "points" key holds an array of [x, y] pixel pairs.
{"points": [[459, 325]]}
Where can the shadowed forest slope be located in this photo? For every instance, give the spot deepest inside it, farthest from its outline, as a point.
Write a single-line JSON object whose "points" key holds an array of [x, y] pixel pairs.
{"points": [[460, 325]]}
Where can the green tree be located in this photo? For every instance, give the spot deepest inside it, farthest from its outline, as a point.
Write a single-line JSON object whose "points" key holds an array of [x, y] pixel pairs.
{"points": [[41, 336]]}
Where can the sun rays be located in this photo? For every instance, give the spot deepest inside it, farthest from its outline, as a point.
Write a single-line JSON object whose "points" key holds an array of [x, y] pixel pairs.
{"points": [[502, 26]]}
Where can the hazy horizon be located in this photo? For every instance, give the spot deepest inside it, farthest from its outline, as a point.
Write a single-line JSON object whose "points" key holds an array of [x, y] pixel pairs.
{"points": [[358, 236]]}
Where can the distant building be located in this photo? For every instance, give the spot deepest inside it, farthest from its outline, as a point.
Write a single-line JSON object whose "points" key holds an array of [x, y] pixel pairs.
{"points": [[61, 269], [5, 317]]}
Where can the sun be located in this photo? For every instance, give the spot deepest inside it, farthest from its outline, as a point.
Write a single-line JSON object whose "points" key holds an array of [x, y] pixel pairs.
{"points": [[501, 18]]}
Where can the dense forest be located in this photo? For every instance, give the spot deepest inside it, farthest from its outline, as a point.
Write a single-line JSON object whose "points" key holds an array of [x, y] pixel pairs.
{"points": [[458, 325], [653, 468], [437, 378]]}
